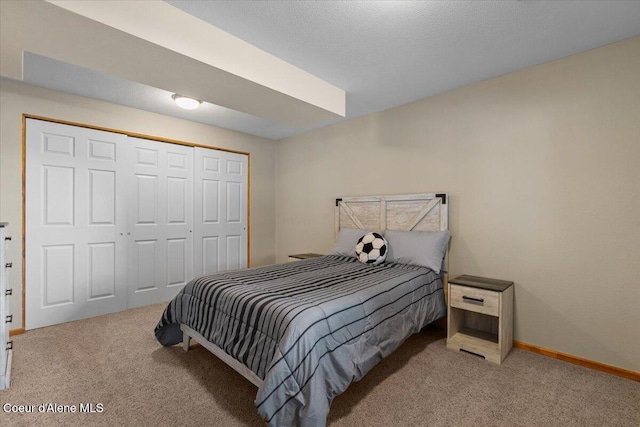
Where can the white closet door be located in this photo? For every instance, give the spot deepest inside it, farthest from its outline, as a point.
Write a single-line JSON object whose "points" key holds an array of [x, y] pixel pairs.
{"points": [[112, 221], [75, 223], [161, 220], [220, 211]]}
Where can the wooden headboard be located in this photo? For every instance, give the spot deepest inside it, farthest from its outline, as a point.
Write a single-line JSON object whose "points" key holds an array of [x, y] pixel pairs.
{"points": [[407, 212]]}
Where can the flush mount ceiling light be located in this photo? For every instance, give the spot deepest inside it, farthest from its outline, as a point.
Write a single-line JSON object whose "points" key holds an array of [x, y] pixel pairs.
{"points": [[186, 102]]}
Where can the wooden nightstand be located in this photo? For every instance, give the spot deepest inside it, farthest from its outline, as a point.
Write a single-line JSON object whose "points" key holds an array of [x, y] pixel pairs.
{"points": [[298, 257], [480, 317]]}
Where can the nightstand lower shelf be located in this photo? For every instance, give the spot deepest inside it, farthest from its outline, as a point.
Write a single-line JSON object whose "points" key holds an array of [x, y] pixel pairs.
{"points": [[476, 342]]}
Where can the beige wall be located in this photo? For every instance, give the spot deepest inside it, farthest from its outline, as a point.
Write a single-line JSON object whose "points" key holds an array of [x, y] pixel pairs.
{"points": [[18, 98], [543, 171]]}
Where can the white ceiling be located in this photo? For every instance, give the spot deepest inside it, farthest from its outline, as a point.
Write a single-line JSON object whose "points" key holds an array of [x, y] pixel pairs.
{"points": [[382, 53]]}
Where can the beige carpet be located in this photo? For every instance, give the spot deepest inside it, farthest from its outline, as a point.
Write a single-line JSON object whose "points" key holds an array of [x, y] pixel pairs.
{"points": [[116, 361]]}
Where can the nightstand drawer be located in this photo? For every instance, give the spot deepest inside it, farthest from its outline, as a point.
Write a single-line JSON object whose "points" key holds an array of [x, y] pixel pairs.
{"points": [[474, 299]]}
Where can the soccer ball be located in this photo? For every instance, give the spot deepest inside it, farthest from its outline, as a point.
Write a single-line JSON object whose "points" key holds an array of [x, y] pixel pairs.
{"points": [[371, 249]]}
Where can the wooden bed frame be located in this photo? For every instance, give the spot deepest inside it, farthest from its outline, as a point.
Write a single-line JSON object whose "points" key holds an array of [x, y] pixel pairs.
{"points": [[187, 333], [407, 212]]}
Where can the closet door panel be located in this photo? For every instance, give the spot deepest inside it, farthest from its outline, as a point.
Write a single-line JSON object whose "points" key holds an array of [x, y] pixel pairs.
{"points": [[102, 270], [161, 224], [220, 213], [234, 252], [210, 255], [102, 197], [177, 261], [75, 243], [179, 219]]}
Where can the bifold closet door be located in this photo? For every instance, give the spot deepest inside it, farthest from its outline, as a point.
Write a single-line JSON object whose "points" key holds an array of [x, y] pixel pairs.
{"points": [[220, 211], [75, 223], [115, 222], [161, 221]]}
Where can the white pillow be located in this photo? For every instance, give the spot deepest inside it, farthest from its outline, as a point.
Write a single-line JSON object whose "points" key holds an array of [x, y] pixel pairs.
{"points": [[424, 248], [346, 241]]}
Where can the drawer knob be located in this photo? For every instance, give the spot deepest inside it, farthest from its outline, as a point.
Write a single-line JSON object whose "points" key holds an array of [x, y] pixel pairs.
{"points": [[471, 299], [8, 292], [9, 318], [7, 238], [9, 265]]}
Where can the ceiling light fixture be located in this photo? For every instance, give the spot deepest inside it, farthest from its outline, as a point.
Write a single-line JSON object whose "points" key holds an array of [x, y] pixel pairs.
{"points": [[186, 102]]}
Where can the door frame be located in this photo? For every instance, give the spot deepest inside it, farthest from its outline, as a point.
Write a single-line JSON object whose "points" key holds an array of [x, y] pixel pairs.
{"points": [[25, 116]]}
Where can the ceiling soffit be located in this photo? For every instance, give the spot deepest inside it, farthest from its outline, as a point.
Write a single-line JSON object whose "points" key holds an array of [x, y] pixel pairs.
{"points": [[235, 75]]}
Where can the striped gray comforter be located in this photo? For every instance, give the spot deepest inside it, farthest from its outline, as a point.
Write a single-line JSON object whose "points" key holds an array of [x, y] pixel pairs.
{"points": [[307, 328]]}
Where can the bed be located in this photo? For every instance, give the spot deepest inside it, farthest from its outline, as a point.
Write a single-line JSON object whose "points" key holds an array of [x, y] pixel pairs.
{"points": [[303, 331]]}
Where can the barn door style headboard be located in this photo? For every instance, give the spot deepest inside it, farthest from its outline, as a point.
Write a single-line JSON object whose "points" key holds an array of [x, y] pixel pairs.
{"points": [[406, 212]]}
